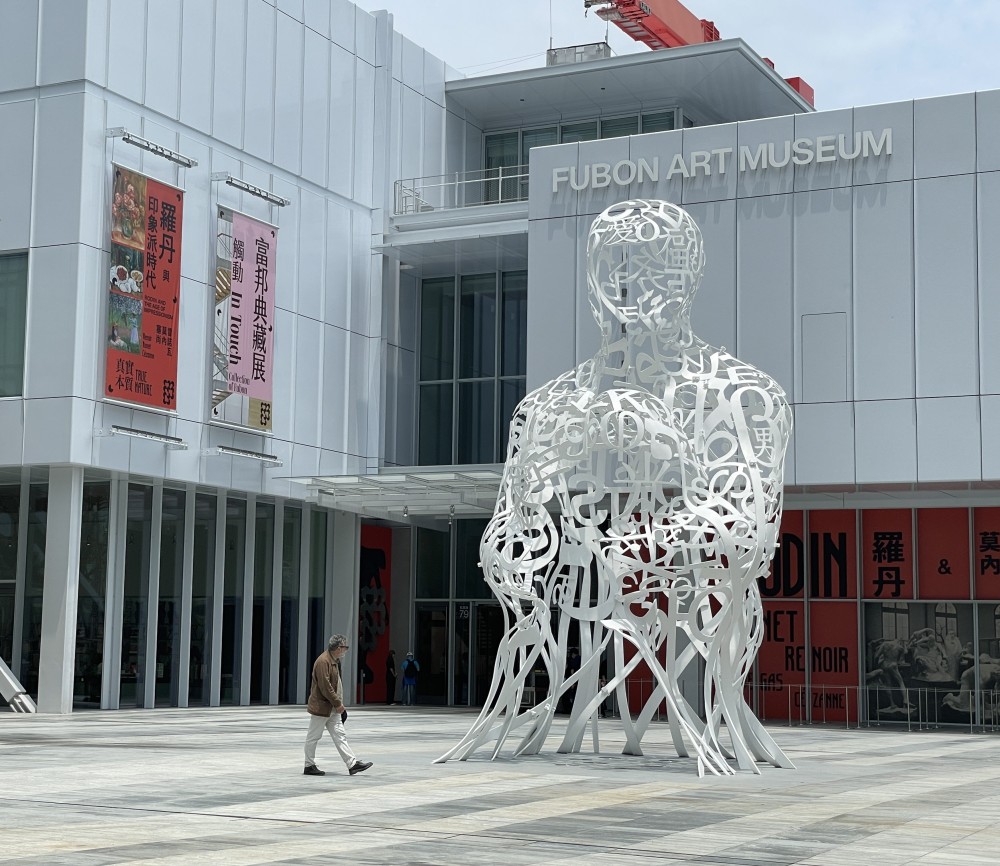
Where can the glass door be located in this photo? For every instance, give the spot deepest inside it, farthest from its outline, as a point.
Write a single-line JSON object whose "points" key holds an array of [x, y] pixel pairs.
{"points": [[431, 651]]}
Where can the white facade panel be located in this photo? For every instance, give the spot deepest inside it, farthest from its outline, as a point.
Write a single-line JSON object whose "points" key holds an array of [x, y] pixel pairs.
{"points": [[883, 292], [825, 128], [58, 168], [751, 137], [989, 415], [562, 201], [608, 152], [195, 329], [824, 443], [61, 50], [308, 396], [312, 239], [885, 441], [315, 108], [50, 334], [364, 36], [822, 303], [364, 140], [944, 135], [12, 424], [987, 130], [163, 36], [284, 373], [947, 331], [127, 61], [289, 72], [764, 286], [885, 168], [197, 63], [316, 15], [287, 291], [553, 296], [949, 446], [228, 80], [714, 315], [362, 401], [17, 143], [342, 23], [702, 186], [657, 149], [258, 106], [19, 45], [988, 246], [340, 152], [337, 279], [412, 70], [359, 291]]}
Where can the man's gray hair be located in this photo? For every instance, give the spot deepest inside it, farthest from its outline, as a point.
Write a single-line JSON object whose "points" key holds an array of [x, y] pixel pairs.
{"points": [[337, 640]]}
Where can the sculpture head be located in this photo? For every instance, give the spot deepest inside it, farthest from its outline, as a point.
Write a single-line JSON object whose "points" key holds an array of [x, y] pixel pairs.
{"points": [[644, 264]]}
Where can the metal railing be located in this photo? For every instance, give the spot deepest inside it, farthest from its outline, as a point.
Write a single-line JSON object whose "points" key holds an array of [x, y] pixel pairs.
{"points": [[461, 189]]}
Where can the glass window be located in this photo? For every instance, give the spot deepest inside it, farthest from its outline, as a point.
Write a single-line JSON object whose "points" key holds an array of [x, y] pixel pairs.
{"points": [[477, 326], [232, 600], [895, 620], [586, 131], [317, 585], [291, 547], [514, 322], [434, 448], [945, 619], [90, 602], [511, 393], [138, 538], [263, 570], [437, 329], [660, 121], [10, 501], [469, 580], [616, 127], [31, 629], [168, 614], [13, 310], [476, 425], [203, 581], [501, 149], [432, 563], [537, 138]]}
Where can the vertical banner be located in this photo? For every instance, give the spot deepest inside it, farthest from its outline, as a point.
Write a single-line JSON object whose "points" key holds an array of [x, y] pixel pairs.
{"points": [[243, 354], [986, 552], [887, 553], [943, 548], [373, 613], [141, 335]]}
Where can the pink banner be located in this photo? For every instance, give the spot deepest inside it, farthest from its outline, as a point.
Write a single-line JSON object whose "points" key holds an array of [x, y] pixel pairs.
{"points": [[251, 308]]}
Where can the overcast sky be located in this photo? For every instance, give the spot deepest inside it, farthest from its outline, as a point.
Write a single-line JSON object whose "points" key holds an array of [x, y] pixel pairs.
{"points": [[853, 52]]}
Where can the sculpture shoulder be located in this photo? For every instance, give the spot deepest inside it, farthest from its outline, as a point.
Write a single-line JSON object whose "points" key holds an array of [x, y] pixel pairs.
{"points": [[732, 371]]}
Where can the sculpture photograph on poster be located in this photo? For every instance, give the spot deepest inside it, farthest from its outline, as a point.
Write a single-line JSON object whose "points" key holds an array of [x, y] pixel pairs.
{"points": [[639, 505]]}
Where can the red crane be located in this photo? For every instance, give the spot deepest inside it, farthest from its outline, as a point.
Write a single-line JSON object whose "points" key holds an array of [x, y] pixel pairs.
{"points": [[669, 24]]}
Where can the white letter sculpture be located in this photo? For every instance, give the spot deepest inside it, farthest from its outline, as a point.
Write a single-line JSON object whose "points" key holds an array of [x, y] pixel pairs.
{"points": [[641, 499]]}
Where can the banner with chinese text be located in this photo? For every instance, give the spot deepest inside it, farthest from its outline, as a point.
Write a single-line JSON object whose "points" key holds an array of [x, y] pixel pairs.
{"points": [[143, 291], [243, 354]]}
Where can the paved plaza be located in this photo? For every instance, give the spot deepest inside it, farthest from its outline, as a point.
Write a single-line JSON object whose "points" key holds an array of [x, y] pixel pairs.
{"points": [[225, 786]]}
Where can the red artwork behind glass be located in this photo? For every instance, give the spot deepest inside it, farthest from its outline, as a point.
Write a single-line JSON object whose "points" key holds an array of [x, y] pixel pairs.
{"points": [[373, 612]]}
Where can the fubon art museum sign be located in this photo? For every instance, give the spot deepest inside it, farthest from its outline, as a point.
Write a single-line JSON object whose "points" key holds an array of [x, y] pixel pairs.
{"points": [[798, 151]]}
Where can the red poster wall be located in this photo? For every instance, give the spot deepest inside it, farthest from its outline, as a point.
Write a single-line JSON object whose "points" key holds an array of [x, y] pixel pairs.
{"points": [[943, 548], [986, 552], [373, 613], [781, 662], [144, 291], [786, 578], [887, 553], [833, 554], [833, 660]]}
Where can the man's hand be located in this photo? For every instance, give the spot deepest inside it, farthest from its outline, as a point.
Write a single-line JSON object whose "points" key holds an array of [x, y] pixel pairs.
{"points": [[343, 717]]}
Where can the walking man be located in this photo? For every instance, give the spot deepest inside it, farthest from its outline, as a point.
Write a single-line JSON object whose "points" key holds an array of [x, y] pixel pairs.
{"points": [[326, 709]]}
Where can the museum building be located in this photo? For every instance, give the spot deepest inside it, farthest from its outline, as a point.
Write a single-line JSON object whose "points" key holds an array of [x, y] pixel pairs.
{"points": [[273, 279]]}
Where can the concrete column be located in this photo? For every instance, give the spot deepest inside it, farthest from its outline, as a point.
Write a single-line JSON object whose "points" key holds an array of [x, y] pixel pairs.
{"points": [[246, 602], [302, 662], [187, 582], [57, 656], [277, 579], [344, 549]]}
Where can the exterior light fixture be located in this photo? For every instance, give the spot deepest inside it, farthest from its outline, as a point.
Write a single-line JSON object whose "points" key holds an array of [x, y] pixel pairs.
{"points": [[151, 146], [406, 511], [173, 442], [243, 452], [238, 183], [451, 514]]}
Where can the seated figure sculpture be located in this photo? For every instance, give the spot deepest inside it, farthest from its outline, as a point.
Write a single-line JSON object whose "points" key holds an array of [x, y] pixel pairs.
{"points": [[640, 499]]}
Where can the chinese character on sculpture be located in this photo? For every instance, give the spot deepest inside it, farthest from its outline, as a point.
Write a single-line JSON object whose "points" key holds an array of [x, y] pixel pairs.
{"points": [[640, 499]]}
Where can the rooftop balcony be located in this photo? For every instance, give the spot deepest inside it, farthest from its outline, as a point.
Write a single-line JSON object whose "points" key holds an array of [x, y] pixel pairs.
{"points": [[470, 189]]}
